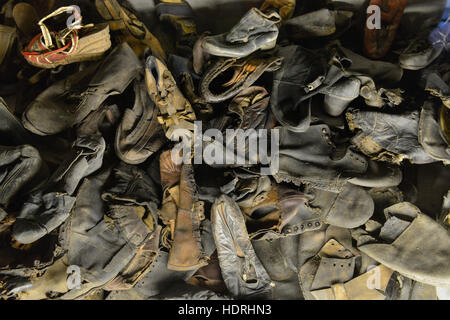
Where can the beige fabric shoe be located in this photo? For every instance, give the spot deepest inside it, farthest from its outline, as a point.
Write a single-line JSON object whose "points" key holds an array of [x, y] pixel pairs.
{"points": [[76, 43]]}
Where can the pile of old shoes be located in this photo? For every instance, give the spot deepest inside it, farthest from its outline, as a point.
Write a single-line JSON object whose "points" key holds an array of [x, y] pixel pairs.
{"points": [[297, 151]]}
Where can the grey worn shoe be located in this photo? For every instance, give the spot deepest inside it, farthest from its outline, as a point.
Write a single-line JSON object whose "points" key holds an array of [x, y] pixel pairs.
{"points": [[304, 73], [242, 271], [138, 267], [310, 158], [379, 71], [132, 185], [340, 95], [279, 256], [18, 165], [109, 247], [85, 158], [350, 208], [255, 31], [46, 209], [388, 137], [320, 23], [426, 48], [411, 243], [41, 214], [69, 101], [418, 55]]}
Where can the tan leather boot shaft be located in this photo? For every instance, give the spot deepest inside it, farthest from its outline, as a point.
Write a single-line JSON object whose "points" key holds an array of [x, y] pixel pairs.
{"points": [[187, 252], [170, 172]]}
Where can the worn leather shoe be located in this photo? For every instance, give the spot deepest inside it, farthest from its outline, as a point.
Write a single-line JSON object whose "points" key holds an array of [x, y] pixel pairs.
{"points": [[242, 271], [255, 31], [309, 158], [67, 102]]}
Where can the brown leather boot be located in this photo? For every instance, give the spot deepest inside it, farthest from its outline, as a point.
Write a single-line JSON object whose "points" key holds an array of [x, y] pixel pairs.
{"points": [[187, 251], [170, 180]]}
